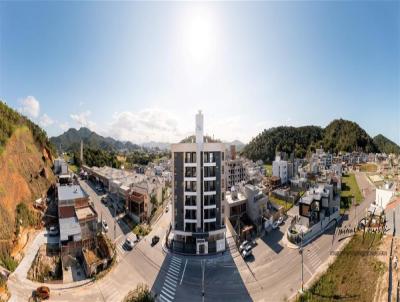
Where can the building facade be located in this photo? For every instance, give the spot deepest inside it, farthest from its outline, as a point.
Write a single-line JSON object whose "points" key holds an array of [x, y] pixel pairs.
{"points": [[280, 169], [198, 188]]}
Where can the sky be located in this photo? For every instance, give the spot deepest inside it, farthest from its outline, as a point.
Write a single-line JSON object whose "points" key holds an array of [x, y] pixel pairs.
{"points": [[140, 71]]}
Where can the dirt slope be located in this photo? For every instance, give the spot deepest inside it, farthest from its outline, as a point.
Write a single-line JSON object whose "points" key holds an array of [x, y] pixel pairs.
{"points": [[25, 174]]}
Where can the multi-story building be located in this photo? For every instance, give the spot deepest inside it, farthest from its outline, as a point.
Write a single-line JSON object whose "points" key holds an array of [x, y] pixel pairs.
{"points": [[235, 170], [280, 169], [77, 220], [318, 208], [198, 188]]}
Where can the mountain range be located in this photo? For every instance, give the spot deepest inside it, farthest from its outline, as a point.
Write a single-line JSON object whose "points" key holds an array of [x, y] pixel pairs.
{"points": [[71, 139]]}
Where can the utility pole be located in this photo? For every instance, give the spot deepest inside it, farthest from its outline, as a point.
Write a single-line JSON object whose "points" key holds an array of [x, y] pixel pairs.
{"points": [[202, 269], [302, 262]]}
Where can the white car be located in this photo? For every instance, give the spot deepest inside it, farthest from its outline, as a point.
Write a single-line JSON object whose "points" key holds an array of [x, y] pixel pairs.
{"points": [[128, 244], [277, 223], [247, 251], [243, 245], [53, 231], [105, 226]]}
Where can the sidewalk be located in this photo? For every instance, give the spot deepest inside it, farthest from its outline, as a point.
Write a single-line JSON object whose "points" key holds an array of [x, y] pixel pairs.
{"points": [[24, 266]]}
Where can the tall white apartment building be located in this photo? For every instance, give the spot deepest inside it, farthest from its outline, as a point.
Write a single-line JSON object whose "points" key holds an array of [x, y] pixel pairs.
{"points": [[280, 169], [199, 193]]}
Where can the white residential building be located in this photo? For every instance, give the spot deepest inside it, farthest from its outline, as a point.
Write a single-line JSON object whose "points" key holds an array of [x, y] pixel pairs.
{"points": [[280, 169]]}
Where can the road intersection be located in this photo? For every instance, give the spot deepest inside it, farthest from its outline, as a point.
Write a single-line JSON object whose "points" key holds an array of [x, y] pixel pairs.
{"points": [[274, 274]]}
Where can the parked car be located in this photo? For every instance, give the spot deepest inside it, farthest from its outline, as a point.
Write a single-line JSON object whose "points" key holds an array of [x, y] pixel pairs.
{"points": [[104, 200], [243, 245], [166, 209], [128, 244], [105, 226], [277, 223], [42, 292], [53, 231], [247, 251], [155, 240]]}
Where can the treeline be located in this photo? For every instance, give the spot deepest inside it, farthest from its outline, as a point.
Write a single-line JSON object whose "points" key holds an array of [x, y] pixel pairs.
{"points": [[96, 157], [339, 135], [11, 119], [145, 157]]}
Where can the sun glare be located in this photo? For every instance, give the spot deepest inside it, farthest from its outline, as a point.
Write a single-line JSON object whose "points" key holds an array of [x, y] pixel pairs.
{"points": [[199, 36]]}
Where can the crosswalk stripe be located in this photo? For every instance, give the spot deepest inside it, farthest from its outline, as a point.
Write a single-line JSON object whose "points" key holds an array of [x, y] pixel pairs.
{"points": [[175, 265], [168, 291], [172, 274], [164, 298], [167, 294], [173, 269], [171, 288], [177, 260], [170, 281], [170, 285]]}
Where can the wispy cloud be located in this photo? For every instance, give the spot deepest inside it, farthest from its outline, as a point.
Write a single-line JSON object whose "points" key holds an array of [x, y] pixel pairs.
{"points": [[45, 120], [150, 124], [30, 106], [82, 119]]}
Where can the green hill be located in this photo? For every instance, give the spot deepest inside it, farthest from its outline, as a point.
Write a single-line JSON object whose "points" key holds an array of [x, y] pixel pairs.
{"points": [[386, 145], [339, 135], [287, 139]]}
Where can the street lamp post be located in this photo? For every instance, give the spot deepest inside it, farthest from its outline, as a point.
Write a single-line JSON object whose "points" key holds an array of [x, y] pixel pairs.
{"points": [[302, 262]]}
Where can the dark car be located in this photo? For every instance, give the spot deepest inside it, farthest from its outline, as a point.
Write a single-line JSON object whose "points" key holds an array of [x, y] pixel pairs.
{"points": [[155, 240], [43, 292]]}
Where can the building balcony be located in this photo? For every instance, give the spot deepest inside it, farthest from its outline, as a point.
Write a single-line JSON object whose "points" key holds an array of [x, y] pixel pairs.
{"points": [[211, 206], [189, 221], [210, 178], [190, 178], [210, 220], [190, 207], [187, 165], [206, 193], [187, 193]]}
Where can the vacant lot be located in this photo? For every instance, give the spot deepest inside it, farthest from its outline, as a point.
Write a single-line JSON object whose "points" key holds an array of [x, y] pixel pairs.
{"points": [[285, 204], [268, 170], [350, 190], [368, 168], [354, 274]]}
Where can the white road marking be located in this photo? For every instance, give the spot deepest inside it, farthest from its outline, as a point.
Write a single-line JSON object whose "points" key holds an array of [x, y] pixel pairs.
{"points": [[163, 297], [183, 273], [308, 269]]}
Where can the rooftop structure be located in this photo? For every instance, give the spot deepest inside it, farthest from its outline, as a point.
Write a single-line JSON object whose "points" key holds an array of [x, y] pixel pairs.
{"points": [[70, 229], [70, 192]]}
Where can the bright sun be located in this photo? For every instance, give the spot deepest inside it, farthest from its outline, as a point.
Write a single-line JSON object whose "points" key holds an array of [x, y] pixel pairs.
{"points": [[199, 36]]}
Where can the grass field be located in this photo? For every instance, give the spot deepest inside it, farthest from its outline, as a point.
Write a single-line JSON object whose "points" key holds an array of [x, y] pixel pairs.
{"points": [[368, 168], [354, 274], [286, 205], [268, 170], [350, 190]]}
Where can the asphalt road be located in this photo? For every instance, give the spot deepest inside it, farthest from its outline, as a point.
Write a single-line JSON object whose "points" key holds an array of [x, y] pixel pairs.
{"points": [[117, 228], [274, 273]]}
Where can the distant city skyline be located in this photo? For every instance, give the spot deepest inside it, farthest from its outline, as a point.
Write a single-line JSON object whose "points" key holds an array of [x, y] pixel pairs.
{"points": [[140, 71]]}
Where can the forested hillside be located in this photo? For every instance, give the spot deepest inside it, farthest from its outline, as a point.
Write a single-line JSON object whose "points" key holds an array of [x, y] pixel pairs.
{"points": [[386, 145], [339, 135], [287, 139]]}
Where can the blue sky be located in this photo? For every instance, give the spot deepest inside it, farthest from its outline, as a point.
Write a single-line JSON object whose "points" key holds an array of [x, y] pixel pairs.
{"points": [[140, 71]]}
